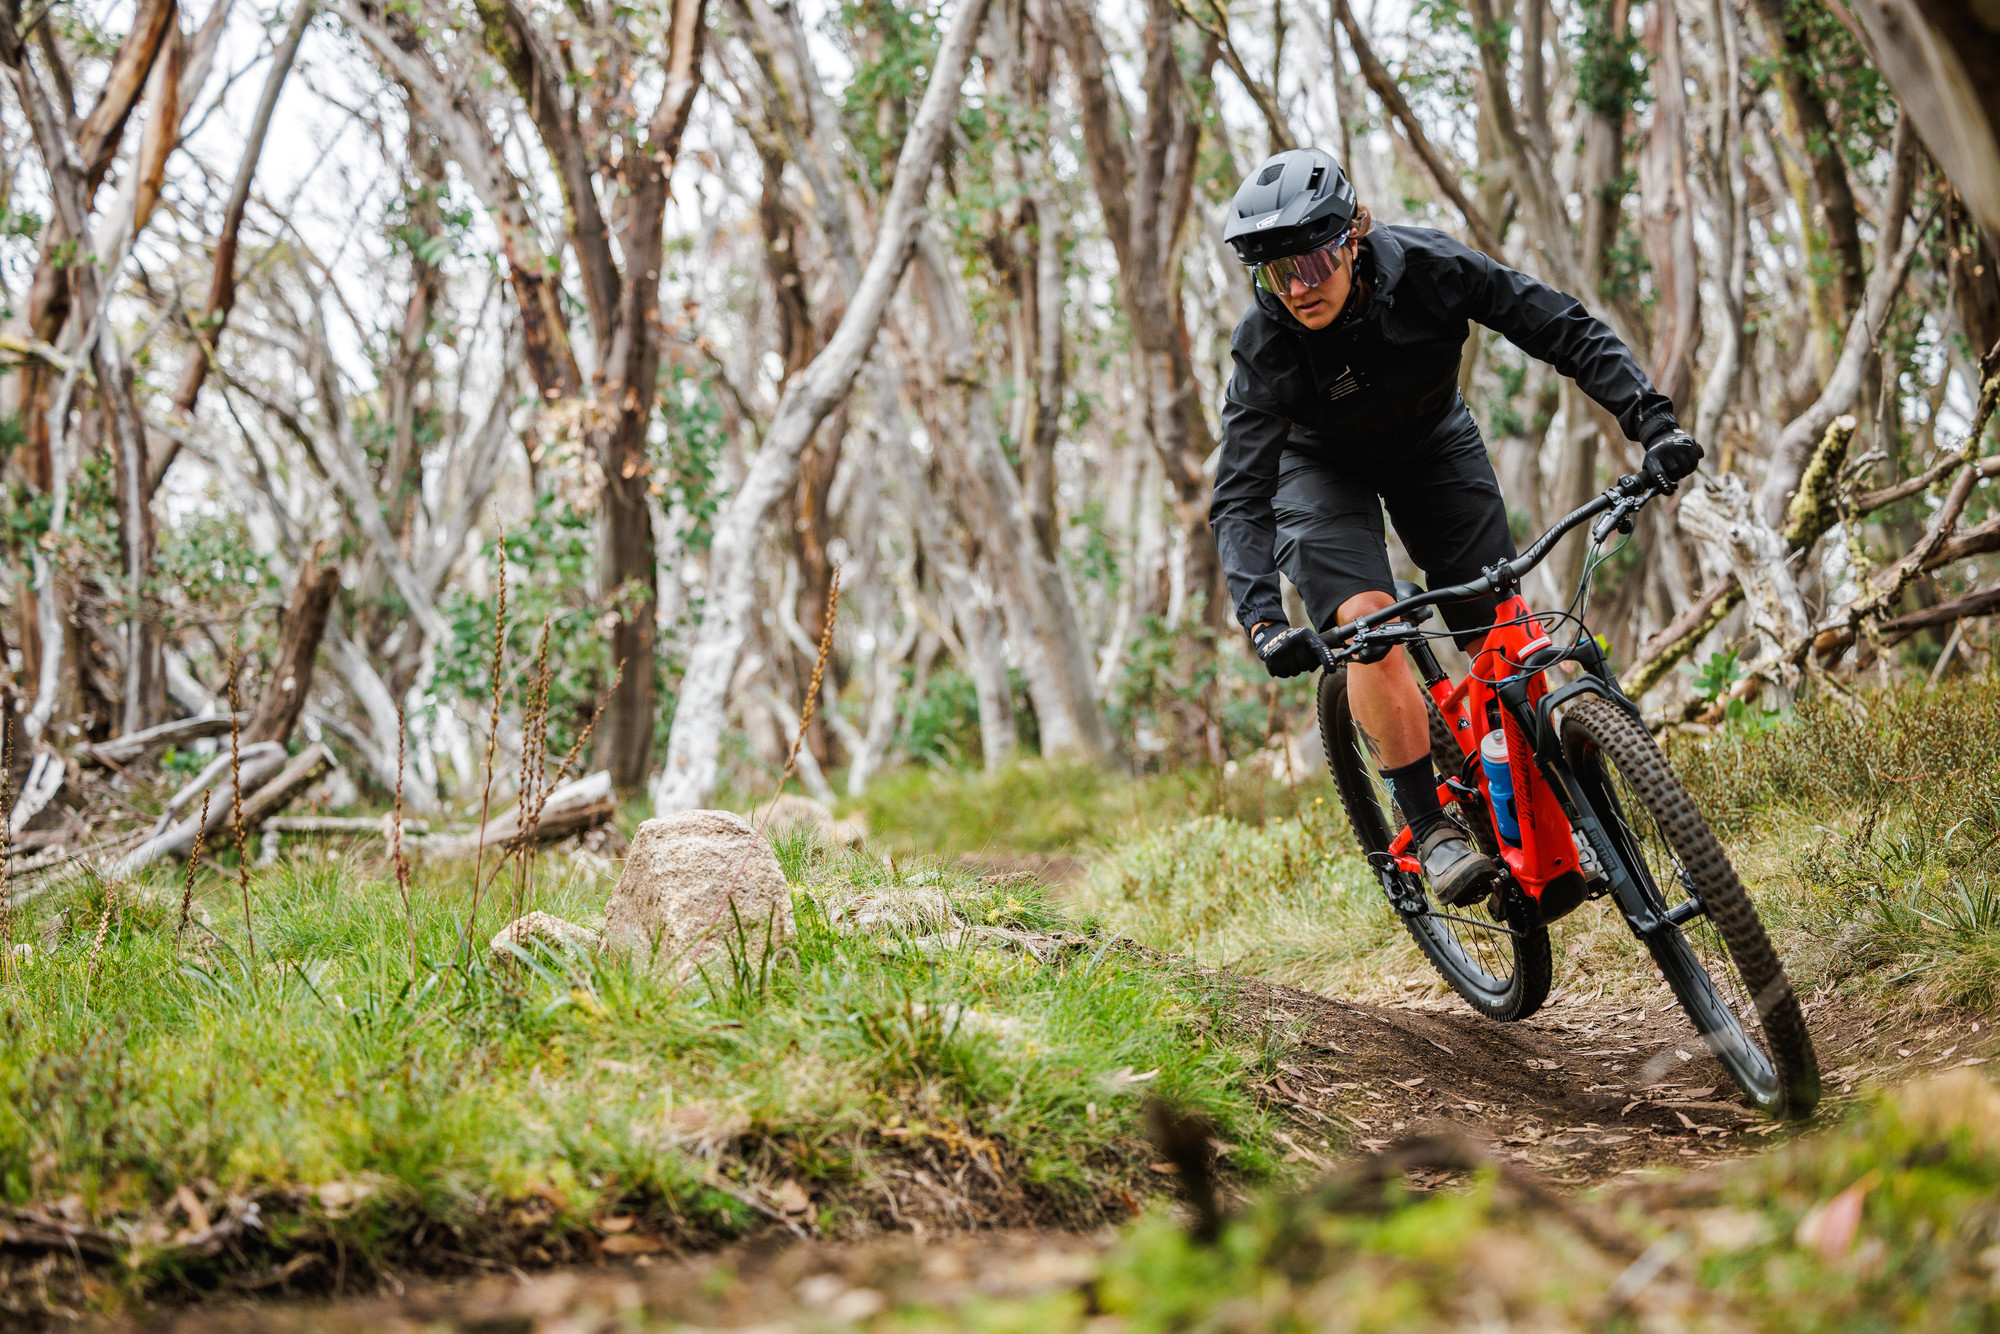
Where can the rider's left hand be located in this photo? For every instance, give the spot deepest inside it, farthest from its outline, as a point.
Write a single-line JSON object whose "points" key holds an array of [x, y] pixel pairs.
{"points": [[1288, 650], [1672, 457]]}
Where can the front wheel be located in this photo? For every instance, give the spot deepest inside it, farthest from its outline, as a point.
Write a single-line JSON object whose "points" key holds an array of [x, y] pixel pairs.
{"points": [[1709, 942], [1502, 969]]}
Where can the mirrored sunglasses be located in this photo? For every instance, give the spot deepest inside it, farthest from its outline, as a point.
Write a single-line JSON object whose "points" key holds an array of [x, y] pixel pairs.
{"points": [[1312, 268]]}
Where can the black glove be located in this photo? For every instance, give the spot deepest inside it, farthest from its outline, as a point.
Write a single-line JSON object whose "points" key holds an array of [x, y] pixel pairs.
{"points": [[1288, 650], [1671, 458]]}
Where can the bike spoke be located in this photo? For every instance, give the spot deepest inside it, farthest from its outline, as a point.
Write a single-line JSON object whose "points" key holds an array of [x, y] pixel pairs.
{"points": [[1482, 949], [1675, 888]]}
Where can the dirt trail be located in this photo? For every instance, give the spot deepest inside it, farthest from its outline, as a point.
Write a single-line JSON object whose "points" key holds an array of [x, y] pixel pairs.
{"points": [[1587, 1092]]}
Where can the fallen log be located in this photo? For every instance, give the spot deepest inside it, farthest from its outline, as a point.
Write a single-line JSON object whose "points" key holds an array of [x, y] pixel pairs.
{"points": [[135, 746], [269, 777], [298, 774], [266, 754], [341, 824], [1829, 644], [577, 806]]}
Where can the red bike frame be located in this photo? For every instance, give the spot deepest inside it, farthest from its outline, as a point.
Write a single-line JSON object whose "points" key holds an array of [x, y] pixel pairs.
{"points": [[1547, 850]]}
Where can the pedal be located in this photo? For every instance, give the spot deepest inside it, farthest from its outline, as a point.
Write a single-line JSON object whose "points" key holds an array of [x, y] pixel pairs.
{"points": [[1588, 861]]}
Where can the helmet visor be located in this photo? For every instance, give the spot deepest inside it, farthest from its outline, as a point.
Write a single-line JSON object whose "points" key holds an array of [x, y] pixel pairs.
{"points": [[1312, 268]]}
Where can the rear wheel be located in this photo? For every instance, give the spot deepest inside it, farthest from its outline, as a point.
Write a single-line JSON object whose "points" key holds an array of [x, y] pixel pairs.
{"points": [[1502, 969], [1718, 959]]}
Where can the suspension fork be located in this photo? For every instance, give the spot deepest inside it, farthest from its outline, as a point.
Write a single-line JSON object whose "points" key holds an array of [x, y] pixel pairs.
{"points": [[1634, 903]]}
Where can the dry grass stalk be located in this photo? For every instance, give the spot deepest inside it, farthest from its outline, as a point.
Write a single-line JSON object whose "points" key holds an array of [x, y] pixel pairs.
{"points": [[492, 738], [194, 865], [534, 747], [6, 817], [236, 796], [103, 929], [818, 676], [396, 844], [524, 836]]}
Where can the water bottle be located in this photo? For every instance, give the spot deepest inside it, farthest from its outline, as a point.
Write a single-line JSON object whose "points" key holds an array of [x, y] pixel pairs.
{"points": [[1500, 785]]}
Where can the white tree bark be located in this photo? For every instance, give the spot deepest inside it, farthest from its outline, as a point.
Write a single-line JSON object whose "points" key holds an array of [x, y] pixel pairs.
{"points": [[369, 690], [1892, 265], [695, 746], [1041, 614], [1720, 516]]}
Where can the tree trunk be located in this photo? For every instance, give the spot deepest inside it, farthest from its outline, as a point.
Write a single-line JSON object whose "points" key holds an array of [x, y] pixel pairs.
{"points": [[1667, 213], [1939, 57], [298, 647], [694, 750], [1805, 114]]}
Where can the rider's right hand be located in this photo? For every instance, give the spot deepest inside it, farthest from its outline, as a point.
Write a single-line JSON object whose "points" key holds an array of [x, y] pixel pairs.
{"points": [[1672, 458], [1288, 650]]}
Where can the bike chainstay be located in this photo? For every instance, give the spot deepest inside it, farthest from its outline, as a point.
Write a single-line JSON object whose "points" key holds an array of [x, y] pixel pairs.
{"points": [[1407, 905]]}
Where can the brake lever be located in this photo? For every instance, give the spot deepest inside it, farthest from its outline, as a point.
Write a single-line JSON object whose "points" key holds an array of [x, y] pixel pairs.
{"points": [[1618, 518]]}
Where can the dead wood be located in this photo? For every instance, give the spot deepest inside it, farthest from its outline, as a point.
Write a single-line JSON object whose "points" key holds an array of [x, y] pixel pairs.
{"points": [[574, 808], [278, 711], [136, 746], [177, 839]]}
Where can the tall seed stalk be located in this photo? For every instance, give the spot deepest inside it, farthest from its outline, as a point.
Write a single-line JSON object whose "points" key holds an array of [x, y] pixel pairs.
{"points": [[194, 864], [534, 744], [819, 675], [396, 849], [6, 821], [236, 800], [103, 929], [524, 833], [492, 738]]}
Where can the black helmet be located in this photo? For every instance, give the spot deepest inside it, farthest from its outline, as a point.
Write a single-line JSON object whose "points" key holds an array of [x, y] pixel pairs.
{"points": [[1299, 200]]}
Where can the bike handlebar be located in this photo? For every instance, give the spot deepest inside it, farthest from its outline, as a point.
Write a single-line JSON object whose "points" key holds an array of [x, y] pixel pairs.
{"points": [[1618, 502]]}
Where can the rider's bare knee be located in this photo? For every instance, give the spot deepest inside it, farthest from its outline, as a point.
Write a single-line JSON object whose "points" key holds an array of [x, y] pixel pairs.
{"points": [[1363, 603]]}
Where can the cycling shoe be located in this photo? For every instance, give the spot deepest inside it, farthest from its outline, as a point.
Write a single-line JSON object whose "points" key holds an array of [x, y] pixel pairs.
{"points": [[1458, 873]]}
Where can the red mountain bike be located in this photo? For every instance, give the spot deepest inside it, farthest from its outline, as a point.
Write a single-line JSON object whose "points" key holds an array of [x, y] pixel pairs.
{"points": [[1566, 791]]}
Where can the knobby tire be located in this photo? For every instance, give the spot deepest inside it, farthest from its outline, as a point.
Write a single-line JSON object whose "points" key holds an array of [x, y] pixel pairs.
{"points": [[1607, 750]]}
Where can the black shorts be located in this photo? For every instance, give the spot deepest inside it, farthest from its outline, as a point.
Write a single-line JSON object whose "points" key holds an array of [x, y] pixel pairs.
{"points": [[1442, 497]]}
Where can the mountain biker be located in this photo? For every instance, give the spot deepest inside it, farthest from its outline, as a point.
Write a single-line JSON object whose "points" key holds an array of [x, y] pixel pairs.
{"points": [[1344, 399]]}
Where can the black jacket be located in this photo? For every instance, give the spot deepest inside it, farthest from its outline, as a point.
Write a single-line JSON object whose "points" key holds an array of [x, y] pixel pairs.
{"points": [[1372, 386]]}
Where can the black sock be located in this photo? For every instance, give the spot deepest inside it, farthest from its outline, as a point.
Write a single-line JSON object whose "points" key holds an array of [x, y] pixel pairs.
{"points": [[1414, 786]]}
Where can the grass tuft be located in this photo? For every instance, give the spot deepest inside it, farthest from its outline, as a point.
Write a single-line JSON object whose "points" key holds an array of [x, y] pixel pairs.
{"points": [[380, 1115]]}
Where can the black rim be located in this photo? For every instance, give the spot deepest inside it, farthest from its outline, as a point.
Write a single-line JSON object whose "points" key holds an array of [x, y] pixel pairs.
{"points": [[1693, 956]]}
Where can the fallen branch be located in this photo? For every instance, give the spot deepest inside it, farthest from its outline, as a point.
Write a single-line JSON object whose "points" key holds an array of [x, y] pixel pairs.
{"points": [[1682, 635], [574, 808], [298, 774], [135, 746], [1830, 644], [1983, 603], [381, 825], [257, 765]]}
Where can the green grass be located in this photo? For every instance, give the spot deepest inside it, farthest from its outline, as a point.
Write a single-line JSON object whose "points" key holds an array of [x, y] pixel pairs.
{"points": [[499, 1112], [1290, 900], [1748, 1250], [1035, 807], [1869, 829]]}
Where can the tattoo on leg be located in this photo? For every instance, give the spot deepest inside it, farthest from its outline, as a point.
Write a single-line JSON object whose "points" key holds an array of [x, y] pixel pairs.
{"points": [[1374, 747]]}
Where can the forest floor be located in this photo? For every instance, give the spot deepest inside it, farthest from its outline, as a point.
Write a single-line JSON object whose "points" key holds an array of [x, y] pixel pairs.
{"points": [[815, 1168], [1655, 1150]]}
